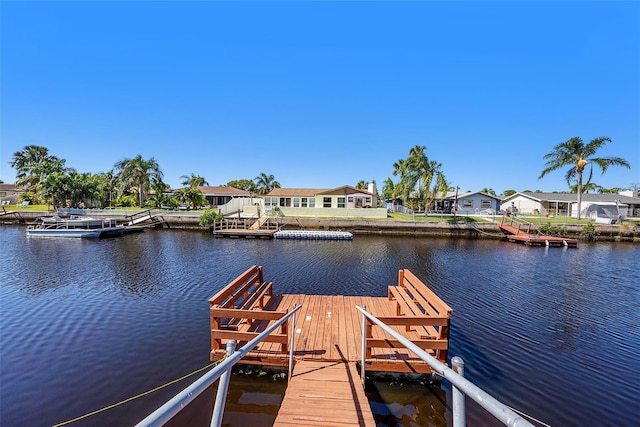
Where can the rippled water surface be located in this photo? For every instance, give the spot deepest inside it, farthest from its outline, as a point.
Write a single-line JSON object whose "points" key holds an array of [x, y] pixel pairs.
{"points": [[86, 323]]}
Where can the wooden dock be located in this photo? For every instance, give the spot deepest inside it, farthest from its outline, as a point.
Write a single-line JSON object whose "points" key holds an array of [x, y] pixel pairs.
{"points": [[250, 228], [328, 328], [520, 232], [325, 388], [325, 394]]}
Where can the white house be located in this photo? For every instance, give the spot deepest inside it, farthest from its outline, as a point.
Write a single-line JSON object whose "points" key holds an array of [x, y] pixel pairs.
{"points": [[593, 206]]}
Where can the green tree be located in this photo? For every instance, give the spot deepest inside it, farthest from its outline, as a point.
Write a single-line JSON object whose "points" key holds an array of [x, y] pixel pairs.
{"points": [[265, 183], [388, 189], [193, 180], [418, 170], [362, 185], [489, 191], [243, 184], [577, 155], [210, 217], [137, 172], [32, 164], [190, 196], [159, 197], [507, 193]]}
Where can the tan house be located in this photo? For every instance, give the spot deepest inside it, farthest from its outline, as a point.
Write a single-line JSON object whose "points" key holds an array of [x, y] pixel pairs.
{"points": [[345, 201]]}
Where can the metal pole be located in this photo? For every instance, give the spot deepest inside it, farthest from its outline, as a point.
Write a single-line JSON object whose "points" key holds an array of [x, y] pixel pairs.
{"points": [[164, 413], [293, 335], [364, 344], [223, 387], [458, 403], [488, 402]]}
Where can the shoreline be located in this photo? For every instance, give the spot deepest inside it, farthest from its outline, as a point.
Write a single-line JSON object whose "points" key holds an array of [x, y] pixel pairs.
{"points": [[383, 227]]}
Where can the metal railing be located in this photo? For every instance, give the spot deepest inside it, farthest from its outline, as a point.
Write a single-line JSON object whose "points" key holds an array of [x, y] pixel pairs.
{"points": [[461, 386], [167, 411]]}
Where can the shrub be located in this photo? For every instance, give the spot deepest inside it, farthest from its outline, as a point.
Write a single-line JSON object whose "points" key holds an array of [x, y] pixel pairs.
{"points": [[552, 230], [589, 231], [210, 217]]}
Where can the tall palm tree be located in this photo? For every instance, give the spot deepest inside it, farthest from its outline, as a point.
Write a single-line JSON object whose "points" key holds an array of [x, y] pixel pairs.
{"points": [[388, 189], [193, 180], [577, 155], [137, 172], [265, 183], [33, 163], [362, 185]]}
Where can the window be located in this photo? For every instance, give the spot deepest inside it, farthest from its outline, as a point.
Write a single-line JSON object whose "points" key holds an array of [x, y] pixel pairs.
{"points": [[270, 201], [341, 202], [467, 203], [285, 202], [485, 203], [312, 202], [296, 202], [326, 202], [350, 199], [368, 200], [304, 202]]}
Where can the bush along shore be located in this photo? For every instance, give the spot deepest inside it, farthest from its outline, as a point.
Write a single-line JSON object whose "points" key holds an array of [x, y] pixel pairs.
{"points": [[463, 228]]}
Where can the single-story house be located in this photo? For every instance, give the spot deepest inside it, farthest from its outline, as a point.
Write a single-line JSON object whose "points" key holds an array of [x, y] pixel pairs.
{"points": [[345, 201], [221, 195], [9, 194], [566, 204], [472, 203]]}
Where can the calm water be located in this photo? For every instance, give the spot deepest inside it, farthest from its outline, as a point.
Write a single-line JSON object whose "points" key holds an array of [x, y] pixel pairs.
{"points": [[86, 323]]}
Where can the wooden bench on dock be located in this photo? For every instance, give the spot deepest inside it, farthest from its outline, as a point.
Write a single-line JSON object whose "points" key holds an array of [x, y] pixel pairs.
{"points": [[424, 316], [237, 312]]}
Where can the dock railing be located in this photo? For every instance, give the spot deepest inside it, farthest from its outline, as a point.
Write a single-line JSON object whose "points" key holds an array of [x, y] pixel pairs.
{"points": [[461, 386], [222, 371], [516, 224]]}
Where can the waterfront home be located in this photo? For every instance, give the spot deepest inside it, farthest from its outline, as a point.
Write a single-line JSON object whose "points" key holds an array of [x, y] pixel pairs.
{"points": [[595, 206], [345, 201], [472, 203], [9, 194]]}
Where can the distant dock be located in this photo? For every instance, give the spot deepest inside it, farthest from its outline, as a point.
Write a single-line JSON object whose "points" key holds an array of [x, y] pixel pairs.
{"points": [[520, 232]]}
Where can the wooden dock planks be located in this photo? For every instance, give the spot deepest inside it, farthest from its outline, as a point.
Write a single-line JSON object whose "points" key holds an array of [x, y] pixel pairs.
{"points": [[325, 394], [328, 328]]}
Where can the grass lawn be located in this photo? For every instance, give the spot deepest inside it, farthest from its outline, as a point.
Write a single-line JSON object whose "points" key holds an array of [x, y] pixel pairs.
{"points": [[434, 218]]}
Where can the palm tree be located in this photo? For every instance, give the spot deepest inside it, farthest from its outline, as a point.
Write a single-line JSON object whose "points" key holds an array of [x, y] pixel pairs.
{"points": [[418, 170], [388, 189], [577, 155], [137, 172], [33, 163], [362, 185], [193, 180], [265, 183]]}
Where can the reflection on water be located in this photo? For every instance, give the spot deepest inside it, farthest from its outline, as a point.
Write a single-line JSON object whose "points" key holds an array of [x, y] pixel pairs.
{"points": [[400, 403], [86, 323]]}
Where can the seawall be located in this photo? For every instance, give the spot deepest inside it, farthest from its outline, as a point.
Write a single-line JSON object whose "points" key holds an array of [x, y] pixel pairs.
{"points": [[484, 230]]}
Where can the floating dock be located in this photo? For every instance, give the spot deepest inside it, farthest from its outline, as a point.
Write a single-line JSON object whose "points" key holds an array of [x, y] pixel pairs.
{"points": [[313, 235], [328, 328], [520, 232], [325, 387]]}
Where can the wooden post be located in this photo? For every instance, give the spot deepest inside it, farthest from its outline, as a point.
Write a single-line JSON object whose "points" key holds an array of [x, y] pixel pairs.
{"points": [[401, 278]]}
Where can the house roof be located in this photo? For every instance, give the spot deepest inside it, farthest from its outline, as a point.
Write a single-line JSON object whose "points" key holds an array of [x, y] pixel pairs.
{"points": [[10, 187], [573, 197], [452, 195], [345, 189], [312, 192], [223, 190]]}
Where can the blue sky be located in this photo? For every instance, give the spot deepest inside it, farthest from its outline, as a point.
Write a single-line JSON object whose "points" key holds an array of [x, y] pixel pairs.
{"points": [[322, 94]]}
